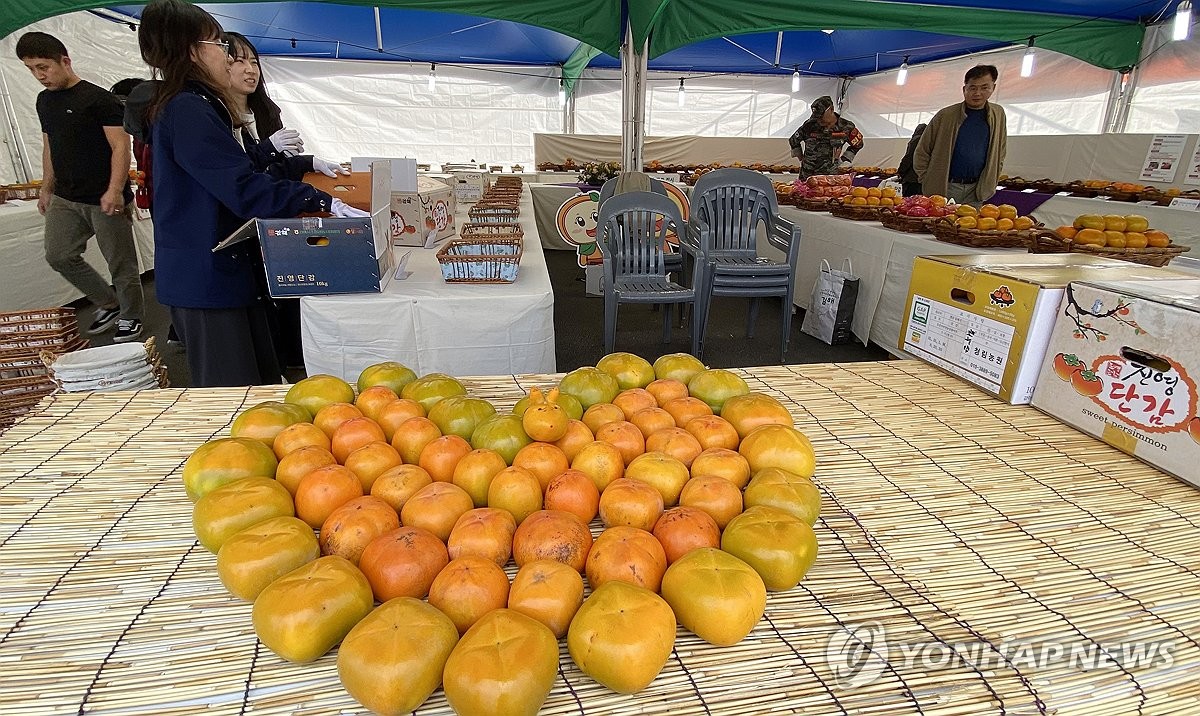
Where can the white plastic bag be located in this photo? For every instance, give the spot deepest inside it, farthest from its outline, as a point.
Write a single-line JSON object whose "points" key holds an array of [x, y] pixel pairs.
{"points": [[831, 310]]}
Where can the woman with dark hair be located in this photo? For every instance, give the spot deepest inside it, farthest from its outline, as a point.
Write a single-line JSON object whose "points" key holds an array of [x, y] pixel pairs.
{"points": [[905, 172], [205, 187], [278, 154]]}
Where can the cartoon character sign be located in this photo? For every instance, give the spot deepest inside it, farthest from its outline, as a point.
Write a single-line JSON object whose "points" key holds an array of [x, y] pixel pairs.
{"points": [[576, 221]]}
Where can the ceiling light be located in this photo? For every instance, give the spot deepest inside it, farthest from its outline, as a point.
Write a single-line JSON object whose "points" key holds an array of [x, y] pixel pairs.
{"points": [[1183, 21], [1027, 61], [796, 81], [682, 96], [902, 77]]}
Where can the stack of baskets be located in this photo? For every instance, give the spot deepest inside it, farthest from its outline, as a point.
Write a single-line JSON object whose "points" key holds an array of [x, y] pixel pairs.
{"points": [[121, 366], [490, 245], [24, 335]]}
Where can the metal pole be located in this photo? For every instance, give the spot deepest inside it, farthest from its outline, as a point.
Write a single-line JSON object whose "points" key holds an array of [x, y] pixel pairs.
{"points": [[21, 161], [633, 102]]}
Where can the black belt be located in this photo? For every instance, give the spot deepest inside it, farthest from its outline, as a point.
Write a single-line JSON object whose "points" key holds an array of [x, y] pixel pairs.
{"points": [[965, 181]]}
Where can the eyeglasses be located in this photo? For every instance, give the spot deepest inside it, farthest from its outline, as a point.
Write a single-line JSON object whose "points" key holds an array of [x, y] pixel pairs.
{"points": [[223, 45]]}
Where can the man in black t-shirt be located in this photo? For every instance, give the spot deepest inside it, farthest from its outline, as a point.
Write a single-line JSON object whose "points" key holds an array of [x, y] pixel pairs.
{"points": [[85, 185]]}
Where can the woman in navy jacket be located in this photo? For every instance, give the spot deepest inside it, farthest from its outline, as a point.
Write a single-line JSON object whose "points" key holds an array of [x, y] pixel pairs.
{"points": [[205, 187]]}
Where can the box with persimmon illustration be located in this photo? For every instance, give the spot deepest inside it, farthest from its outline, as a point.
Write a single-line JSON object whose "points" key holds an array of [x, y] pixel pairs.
{"points": [[986, 318], [1122, 365]]}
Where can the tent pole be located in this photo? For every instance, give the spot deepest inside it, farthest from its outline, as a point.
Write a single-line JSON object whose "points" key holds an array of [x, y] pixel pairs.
{"points": [[633, 101], [20, 161]]}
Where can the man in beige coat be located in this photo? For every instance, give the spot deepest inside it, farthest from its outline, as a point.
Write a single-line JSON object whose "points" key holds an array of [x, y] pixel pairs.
{"points": [[961, 153]]}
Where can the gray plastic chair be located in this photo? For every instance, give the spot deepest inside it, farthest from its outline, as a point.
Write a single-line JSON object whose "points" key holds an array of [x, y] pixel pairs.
{"points": [[633, 228], [728, 208], [673, 259]]}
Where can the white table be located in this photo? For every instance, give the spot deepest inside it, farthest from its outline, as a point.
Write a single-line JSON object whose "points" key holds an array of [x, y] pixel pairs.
{"points": [[26, 280], [433, 326]]}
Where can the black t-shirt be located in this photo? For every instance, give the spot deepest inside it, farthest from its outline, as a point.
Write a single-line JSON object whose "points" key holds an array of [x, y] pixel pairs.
{"points": [[74, 120]]}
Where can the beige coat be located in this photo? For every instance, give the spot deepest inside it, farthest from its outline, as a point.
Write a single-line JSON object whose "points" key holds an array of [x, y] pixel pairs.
{"points": [[932, 158]]}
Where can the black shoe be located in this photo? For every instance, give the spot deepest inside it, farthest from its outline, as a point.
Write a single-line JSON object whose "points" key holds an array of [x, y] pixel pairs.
{"points": [[105, 318], [173, 338], [128, 329]]}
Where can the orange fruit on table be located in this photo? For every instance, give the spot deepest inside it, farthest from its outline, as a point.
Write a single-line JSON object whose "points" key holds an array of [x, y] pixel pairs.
{"points": [[373, 400], [1089, 221], [324, 490], [986, 223], [548, 591], [622, 636], [683, 529], [965, 210], [715, 595], [779, 446], [554, 535], [505, 664], [300, 435], [1114, 222], [676, 442], [966, 222], [573, 491], [474, 473], [1157, 239], [602, 414], [1066, 232], [350, 528], [720, 498], [266, 420], [256, 556], [662, 472], [1092, 237], [298, 463], [403, 563], [1114, 239], [317, 391], [1022, 223], [626, 554], [1004, 224], [873, 201], [625, 436], [353, 434], [436, 508], [630, 503], [578, 434], [400, 483], [634, 399], [372, 460], [874, 192], [786, 491], [1007, 211], [858, 201], [713, 431], [517, 490], [651, 420], [393, 415], [684, 409], [1136, 222], [331, 417], [665, 389], [989, 211], [746, 412], [726, 464], [468, 588], [234, 506], [859, 191], [600, 461], [543, 419], [485, 532], [218, 462], [440, 456], [1135, 240], [545, 460]]}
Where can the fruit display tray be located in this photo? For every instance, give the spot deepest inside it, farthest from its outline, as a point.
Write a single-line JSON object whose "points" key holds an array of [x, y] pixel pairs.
{"points": [[1047, 242], [855, 213], [946, 230], [908, 224], [949, 518]]}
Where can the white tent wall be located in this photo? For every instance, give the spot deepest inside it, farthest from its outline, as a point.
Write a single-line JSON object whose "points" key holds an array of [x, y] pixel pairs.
{"points": [[101, 52], [1167, 96], [1064, 95]]}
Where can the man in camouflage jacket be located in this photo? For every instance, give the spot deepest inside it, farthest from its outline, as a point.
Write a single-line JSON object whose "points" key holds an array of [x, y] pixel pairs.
{"points": [[819, 142]]}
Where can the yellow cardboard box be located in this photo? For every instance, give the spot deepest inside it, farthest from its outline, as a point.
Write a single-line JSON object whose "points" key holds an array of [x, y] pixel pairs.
{"points": [[987, 318], [1122, 365]]}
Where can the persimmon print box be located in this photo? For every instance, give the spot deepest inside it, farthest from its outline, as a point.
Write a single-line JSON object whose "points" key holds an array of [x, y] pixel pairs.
{"points": [[314, 256], [1122, 365], [987, 317]]}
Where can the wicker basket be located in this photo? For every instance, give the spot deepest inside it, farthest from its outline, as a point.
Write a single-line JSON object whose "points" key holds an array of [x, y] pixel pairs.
{"points": [[822, 203], [854, 213], [1048, 242], [944, 229], [484, 260], [909, 224], [490, 231]]}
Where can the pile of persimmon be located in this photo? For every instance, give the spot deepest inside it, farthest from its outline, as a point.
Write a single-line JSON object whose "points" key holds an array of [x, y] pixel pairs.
{"points": [[418, 527]]}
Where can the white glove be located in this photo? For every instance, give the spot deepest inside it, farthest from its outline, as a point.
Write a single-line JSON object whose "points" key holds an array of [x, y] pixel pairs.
{"points": [[328, 168], [844, 164], [342, 210], [287, 140]]}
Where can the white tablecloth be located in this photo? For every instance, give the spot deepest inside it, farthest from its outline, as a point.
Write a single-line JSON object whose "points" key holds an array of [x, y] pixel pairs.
{"points": [[26, 280], [433, 326]]}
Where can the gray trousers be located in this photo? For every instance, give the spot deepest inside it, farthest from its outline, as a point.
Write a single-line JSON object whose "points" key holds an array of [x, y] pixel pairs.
{"points": [[965, 194], [69, 225]]}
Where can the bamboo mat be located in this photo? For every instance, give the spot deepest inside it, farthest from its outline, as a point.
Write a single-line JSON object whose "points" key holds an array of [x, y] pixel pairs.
{"points": [[949, 519]]}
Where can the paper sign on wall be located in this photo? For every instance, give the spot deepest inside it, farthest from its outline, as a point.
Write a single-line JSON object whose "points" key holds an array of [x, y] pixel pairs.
{"points": [[1163, 157], [1193, 167]]}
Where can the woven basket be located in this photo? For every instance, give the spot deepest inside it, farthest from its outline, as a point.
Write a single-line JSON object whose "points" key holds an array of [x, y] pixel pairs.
{"points": [[812, 203], [485, 260], [909, 224], [490, 231], [944, 229], [1048, 242], [854, 213]]}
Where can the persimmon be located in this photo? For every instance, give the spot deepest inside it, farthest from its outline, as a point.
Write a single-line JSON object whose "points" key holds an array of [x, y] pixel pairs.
{"points": [[676, 442], [600, 415], [713, 431], [578, 434], [297, 436], [665, 389], [517, 490], [298, 463], [474, 472], [373, 400], [353, 434], [552, 534], [662, 472], [684, 409], [543, 419], [632, 400], [350, 528], [749, 411], [626, 554], [265, 421], [625, 436], [600, 461], [441, 455], [436, 507], [372, 460], [398, 484], [722, 463], [630, 503], [483, 532], [651, 420], [549, 591], [573, 491], [329, 418], [545, 460], [468, 588], [403, 563], [720, 498], [412, 436], [683, 529], [393, 415], [323, 490]]}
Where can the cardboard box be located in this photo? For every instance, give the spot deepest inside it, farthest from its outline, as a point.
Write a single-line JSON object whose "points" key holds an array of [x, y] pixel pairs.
{"points": [[414, 215], [315, 256], [1122, 366], [354, 189], [469, 187], [987, 318]]}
